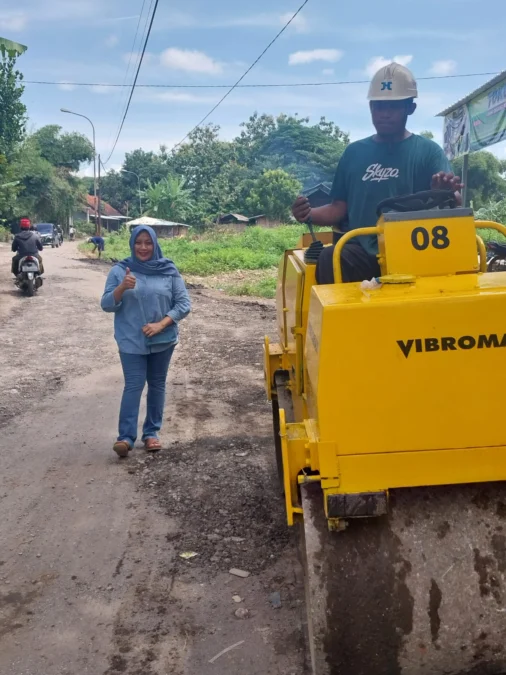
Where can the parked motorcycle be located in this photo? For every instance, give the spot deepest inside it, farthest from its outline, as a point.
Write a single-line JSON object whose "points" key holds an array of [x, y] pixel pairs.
{"points": [[496, 257], [28, 278]]}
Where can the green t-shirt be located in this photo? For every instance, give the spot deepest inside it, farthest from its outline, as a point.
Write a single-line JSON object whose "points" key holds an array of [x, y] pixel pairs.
{"points": [[369, 172]]}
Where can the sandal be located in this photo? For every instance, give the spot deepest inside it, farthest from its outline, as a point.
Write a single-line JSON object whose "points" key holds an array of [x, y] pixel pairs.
{"points": [[152, 445], [121, 448]]}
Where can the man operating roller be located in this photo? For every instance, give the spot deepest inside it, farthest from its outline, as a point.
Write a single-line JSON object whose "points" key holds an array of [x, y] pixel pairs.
{"points": [[390, 163]]}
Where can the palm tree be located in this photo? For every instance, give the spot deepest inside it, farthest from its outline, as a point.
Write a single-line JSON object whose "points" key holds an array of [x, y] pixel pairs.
{"points": [[169, 199]]}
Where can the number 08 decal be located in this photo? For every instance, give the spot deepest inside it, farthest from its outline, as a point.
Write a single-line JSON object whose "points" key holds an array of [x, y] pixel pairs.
{"points": [[437, 238]]}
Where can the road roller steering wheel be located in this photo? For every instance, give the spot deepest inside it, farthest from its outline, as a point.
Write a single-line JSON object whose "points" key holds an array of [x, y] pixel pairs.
{"points": [[419, 201]]}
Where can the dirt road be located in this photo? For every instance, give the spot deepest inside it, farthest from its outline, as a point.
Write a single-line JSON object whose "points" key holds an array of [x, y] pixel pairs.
{"points": [[91, 578]]}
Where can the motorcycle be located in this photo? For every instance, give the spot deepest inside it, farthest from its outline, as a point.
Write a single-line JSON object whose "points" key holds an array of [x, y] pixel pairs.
{"points": [[28, 278], [72, 236], [496, 257]]}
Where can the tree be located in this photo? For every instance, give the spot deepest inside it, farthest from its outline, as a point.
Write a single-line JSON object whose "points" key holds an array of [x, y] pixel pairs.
{"points": [[485, 180], [67, 150], [12, 109], [272, 194], [121, 188], [309, 152], [115, 192], [168, 199], [427, 134], [201, 160]]}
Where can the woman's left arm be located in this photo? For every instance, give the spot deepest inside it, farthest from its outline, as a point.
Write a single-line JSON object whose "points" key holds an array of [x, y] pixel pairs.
{"points": [[181, 301], [181, 308]]}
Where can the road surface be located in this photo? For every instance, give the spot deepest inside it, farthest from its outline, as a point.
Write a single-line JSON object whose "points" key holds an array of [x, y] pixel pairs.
{"points": [[91, 578]]}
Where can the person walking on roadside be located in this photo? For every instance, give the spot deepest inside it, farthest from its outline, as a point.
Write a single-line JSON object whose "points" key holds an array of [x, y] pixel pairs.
{"points": [[149, 298]]}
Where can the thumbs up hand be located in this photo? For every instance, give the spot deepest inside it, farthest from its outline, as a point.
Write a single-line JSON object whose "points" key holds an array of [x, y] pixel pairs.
{"points": [[129, 280]]}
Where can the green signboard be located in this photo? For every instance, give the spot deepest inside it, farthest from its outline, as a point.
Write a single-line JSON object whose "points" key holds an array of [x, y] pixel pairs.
{"points": [[487, 117], [478, 123]]}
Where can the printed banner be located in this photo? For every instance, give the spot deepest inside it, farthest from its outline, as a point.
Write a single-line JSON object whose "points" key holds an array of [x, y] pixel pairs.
{"points": [[477, 124], [456, 135]]}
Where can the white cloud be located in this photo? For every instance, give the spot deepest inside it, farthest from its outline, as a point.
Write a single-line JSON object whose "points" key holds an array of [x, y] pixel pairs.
{"points": [[190, 61], [263, 20], [328, 71], [299, 23], [66, 86], [330, 55], [183, 97], [443, 67], [112, 40], [190, 98], [13, 21], [122, 18], [378, 62], [101, 89]]}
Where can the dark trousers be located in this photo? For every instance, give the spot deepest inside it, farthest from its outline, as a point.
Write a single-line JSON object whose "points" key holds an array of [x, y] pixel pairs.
{"points": [[356, 263]]}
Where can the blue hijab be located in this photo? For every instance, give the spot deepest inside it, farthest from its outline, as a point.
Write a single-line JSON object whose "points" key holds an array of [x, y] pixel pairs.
{"points": [[156, 265]]}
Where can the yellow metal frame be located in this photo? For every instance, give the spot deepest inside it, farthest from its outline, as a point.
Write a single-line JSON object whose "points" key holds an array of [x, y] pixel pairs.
{"points": [[306, 455], [378, 230]]}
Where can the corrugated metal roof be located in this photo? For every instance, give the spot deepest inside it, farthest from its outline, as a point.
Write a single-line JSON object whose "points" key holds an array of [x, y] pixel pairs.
{"points": [[147, 220], [324, 187], [238, 216], [476, 92]]}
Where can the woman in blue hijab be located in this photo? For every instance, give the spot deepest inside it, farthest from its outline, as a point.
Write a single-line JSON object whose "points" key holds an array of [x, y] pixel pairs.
{"points": [[149, 299]]}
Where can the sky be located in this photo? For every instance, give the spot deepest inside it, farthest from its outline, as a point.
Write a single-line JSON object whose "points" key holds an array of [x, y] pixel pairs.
{"points": [[212, 42]]}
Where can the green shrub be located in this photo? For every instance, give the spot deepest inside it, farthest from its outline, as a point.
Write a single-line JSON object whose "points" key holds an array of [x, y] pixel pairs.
{"points": [[85, 228], [495, 211], [5, 234]]}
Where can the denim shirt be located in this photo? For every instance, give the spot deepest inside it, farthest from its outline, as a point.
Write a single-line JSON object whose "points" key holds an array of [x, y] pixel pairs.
{"points": [[153, 298]]}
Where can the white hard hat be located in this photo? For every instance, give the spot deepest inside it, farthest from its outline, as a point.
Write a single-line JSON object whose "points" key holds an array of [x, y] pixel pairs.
{"points": [[392, 83]]}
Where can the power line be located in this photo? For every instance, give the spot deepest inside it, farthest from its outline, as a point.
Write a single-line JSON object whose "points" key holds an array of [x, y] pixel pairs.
{"points": [[135, 80], [246, 86], [244, 74], [132, 52]]}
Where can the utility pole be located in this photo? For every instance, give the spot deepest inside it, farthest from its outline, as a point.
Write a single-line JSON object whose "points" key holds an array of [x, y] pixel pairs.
{"points": [[71, 112], [98, 204]]}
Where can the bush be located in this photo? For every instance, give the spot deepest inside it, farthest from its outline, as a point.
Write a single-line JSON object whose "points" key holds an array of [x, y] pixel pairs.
{"points": [[495, 211], [5, 234], [85, 227]]}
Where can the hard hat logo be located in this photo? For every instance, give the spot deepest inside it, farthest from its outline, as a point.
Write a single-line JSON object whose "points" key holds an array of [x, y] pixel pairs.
{"points": [[393, 83]]}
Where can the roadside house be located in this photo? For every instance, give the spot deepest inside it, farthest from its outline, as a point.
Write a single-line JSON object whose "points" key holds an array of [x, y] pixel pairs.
{"points": [[235, 222], [318, 195], [111, 219]]}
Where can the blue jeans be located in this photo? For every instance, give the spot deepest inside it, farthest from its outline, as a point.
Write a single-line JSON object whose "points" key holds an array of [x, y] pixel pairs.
{"points": [[137, 370]]}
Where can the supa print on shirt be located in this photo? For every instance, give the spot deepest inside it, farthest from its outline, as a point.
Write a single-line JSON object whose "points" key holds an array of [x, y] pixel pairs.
{"points": [[377, 173]]}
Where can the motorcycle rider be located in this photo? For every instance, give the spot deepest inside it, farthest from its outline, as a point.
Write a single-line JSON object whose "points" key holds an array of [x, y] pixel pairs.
{"points": [[26, 242], [72, 233]]}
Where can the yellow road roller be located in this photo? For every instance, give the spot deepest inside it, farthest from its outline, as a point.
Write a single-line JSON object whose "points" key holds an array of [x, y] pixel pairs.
{"points": [[388, 401]]}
